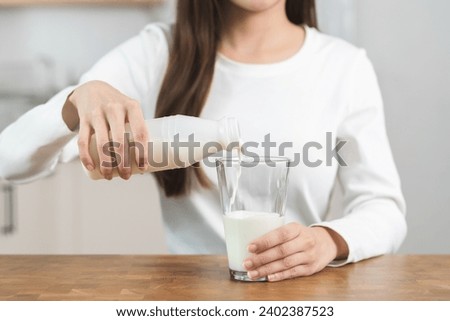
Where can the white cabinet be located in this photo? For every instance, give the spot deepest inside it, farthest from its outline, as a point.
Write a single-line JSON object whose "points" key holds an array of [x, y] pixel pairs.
{"points": [[67, 213]]}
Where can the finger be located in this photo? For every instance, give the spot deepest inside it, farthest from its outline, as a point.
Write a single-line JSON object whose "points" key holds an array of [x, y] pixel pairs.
{"points": [[103, 147], [117, 124], [275, 253], [140, 134], [296, 271], [276, 237], [84, 137], [284, 264]]}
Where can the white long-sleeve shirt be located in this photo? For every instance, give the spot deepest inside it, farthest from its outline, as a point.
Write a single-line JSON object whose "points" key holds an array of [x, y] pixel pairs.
{"points": [[327, 86]]}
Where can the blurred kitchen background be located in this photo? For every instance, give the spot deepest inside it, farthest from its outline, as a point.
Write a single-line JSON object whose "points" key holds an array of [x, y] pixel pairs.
{"points": [[45, 47]]}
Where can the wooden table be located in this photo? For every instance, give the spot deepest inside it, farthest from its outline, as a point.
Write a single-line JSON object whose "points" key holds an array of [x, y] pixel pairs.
{"points": [[206, 278]]}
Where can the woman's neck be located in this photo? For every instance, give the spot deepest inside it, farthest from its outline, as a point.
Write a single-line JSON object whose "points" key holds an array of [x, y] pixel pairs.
{"points": [[259, 37]]}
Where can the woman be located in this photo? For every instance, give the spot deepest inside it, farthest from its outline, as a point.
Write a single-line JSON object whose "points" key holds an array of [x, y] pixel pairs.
{"points": [[264, 63]]}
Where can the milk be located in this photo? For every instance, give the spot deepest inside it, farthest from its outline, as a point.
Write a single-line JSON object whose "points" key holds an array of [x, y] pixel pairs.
{"points": [[241, 228]]}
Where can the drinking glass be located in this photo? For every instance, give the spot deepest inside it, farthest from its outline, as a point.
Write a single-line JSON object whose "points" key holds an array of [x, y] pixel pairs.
{"points": [[253, 193]]}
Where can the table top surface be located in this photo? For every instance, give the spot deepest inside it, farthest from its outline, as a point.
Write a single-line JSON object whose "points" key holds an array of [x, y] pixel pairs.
{"points": [[170, 277]]}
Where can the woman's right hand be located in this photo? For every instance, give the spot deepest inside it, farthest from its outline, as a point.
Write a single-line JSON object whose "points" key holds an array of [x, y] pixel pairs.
{"points": [[98, 108]]}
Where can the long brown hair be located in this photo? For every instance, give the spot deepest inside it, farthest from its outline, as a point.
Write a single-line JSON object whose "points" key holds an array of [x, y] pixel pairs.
{"points": [[190, 72]]}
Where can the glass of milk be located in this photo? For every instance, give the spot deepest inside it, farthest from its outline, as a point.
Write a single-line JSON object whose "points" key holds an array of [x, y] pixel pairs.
{"points": [[253, 194]]}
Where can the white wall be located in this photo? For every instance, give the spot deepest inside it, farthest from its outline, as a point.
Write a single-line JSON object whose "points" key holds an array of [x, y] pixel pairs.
{"points": [[75, 37], [338, 18], [409, 44]]}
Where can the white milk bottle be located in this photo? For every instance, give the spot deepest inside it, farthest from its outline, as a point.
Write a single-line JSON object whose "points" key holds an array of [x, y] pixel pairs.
{"points": [[174, 142]]}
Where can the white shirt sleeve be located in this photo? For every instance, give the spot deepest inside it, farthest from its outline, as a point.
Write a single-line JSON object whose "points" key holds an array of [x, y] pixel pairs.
{"points": [[373, 221], [31, 147]]}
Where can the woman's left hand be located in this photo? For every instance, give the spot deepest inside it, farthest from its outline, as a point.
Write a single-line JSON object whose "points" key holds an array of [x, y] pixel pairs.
{"points": [[293, 250]]}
